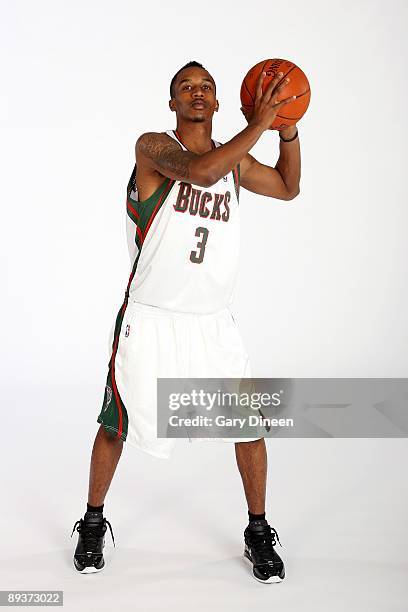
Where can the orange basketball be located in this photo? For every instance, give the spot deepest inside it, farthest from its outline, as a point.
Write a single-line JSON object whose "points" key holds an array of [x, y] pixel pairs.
{"points": [[298, 86]]}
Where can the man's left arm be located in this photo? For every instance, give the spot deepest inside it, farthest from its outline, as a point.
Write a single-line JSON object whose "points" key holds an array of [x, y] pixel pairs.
{"points": [[282, 181]]}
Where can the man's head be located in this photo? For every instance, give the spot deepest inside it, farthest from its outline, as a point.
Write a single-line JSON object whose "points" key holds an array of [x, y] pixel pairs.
{"points": [[192, 93]]}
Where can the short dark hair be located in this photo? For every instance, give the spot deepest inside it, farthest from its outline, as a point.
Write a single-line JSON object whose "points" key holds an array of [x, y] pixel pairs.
{"points": [[191, 64]]}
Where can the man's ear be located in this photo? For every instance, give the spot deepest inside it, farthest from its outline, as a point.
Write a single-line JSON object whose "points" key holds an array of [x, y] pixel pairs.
{"points": [[171, 106], [217, 106]]}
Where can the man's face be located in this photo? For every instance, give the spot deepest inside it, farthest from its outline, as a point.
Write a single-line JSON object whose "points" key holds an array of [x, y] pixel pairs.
{"points": [[194, 95]]}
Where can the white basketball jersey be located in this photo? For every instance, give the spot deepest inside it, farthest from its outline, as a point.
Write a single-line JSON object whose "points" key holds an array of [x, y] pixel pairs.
{"points": [[184, 243]]}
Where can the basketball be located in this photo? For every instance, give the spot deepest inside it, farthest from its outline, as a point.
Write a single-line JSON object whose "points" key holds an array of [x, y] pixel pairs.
{"points": [[298, 86]]}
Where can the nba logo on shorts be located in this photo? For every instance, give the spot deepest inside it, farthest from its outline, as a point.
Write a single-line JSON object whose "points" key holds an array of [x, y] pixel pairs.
{"points": [[127, 330]]}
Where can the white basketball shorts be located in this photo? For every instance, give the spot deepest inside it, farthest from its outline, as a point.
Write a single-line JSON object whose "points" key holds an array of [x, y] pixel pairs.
{"points": [[147, 343]]}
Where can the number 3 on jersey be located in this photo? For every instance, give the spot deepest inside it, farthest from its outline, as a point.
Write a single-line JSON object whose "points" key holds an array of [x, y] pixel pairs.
{"points": [[198, 256]]}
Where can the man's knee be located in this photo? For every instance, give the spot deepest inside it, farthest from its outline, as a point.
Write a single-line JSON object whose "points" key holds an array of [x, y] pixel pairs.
{"points": [[109, 435]]}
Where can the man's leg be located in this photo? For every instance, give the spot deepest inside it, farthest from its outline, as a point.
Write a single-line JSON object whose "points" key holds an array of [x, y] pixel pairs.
{"points": [[259, 537], [106, 453], [88, 556], [252, 464]]}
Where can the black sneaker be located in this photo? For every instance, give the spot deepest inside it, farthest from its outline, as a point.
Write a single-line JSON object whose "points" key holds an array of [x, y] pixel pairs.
{"points": [[88, 557], [259, 550]]}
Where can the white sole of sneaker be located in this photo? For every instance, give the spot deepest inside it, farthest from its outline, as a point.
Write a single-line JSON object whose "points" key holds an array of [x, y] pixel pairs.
{"points": [[88, 570], [91, 570], [271, 580]]}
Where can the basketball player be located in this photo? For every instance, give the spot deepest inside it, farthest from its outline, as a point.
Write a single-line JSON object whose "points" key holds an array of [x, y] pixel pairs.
{"points": [[175, 321]]}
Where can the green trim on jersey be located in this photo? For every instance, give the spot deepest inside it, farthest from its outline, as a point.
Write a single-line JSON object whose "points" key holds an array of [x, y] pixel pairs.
{"points": [[147, 208], [151, 198]]}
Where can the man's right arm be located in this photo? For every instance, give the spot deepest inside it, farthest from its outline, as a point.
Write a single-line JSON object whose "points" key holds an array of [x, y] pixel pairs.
{"points": [[163, 154]]}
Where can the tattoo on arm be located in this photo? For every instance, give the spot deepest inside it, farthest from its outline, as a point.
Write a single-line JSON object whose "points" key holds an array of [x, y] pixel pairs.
{"points": [[166, 155]]}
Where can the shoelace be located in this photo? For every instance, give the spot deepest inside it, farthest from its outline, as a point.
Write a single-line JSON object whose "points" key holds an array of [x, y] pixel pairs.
{"points": [[264, 541], [91, 534]]}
